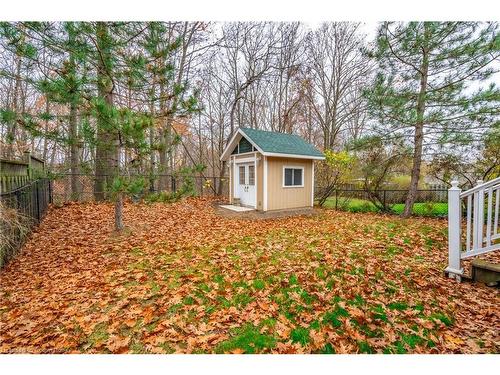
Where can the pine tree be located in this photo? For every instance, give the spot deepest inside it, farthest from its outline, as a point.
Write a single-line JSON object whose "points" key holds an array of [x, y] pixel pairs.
{"points": [[60, 82], [424, 88], [104, 86]]}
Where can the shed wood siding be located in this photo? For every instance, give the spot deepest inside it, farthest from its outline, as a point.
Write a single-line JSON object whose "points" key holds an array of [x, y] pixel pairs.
{"points": [[279, 197]]}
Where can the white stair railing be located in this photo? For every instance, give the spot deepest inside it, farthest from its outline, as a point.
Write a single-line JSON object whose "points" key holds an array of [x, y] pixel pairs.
{"points": [[482, 229]]}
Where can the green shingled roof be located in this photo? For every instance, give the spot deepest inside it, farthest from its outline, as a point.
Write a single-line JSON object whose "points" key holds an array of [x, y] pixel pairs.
{"points": [[281, 143]]}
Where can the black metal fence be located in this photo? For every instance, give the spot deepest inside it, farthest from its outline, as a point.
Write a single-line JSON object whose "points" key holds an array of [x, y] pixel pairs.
{"points": [[31, 200], [80, 187], [428, 202], [21, 209]]}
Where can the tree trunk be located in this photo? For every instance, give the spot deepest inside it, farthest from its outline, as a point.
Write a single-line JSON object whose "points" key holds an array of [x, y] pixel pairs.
{"points": [[418, 138], [74, 150], [119, 212], [105, 142], [12, 126], [151, 154], [222, 176], [46, 129], [166, 155], [73, 124], [164, 136], [223, 164], [163, 161]]}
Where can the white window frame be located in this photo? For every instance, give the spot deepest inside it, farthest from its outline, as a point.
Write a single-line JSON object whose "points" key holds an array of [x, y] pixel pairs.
{"points": [[283, 176]]}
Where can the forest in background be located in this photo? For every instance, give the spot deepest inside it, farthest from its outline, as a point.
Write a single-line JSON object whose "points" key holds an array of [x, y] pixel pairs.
{"points": [[118, 99]]}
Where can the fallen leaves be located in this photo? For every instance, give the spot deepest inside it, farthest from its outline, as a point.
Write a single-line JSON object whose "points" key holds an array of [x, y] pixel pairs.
{"points": [[118, 344], [181, 279], [148, 315]]}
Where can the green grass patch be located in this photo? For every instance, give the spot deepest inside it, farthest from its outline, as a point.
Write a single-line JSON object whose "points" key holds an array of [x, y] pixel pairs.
{"points": [[138, 348], [378, 313], [300, 335], [412, 340], [398, 306], [292, 280], [397, 348], [98, 336], [357, 301], [188, 300], [242, 299], [306, 297], [361, 205], [424, 209], [327, 349], [259, 284], [247, 338], [332, 317], [155, 288], [364, 347], [392, 251], [447, 321], [351, 205]]}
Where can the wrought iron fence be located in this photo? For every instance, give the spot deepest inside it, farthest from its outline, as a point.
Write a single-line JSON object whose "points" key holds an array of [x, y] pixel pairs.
{"points": [[22, 209], [30, 200]]}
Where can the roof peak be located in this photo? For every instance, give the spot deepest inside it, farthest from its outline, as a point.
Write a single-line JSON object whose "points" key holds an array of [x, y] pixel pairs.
{"points": [[265, 131], [271, 143]]}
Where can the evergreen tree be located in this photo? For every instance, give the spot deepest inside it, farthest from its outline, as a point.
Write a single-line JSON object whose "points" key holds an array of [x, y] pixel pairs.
{"points": [[104, 78], [427, 85]]}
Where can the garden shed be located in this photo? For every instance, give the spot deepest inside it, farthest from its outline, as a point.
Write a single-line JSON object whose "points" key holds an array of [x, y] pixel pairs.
{"points": [[270, 170]]}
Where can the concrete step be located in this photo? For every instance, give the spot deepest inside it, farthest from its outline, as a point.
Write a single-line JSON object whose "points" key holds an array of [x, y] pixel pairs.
{"points": [[486, 272]]}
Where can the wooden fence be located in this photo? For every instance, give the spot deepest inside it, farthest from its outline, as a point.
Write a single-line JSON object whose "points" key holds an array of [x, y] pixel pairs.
{"points": [[17, 173]]}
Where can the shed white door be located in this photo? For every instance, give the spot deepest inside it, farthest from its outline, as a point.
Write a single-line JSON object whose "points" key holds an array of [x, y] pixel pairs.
{"points": [[246, 184]]}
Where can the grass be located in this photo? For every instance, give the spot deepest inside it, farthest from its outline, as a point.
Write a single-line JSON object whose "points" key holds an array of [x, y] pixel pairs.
{"points": [[300, 335], [188, 281], [248, 339], [361, 205]]}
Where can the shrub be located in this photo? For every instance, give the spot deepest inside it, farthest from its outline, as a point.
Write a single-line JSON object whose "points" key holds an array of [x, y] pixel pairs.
{"points": [[163, 197], [363, 207], [428, 208], [14, 228]]}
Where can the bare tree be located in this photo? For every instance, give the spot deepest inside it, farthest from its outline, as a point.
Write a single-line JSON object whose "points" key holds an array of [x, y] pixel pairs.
{"points": [[338, 69]]}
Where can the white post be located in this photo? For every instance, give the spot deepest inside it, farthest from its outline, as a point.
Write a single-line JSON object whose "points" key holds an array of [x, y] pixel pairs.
{"points": [[480, 216], [454, 269]]}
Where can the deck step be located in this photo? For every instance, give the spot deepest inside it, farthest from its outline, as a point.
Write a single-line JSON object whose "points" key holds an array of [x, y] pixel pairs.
{"points": [[486, 272]]}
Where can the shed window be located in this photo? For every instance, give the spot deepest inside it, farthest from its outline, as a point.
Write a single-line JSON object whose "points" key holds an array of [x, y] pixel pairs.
{"points": [[251, 175], [242, 175], [293, 176]]}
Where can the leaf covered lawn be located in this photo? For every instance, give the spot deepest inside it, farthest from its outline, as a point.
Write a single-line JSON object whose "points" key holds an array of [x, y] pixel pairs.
{"points": [[182, 279]]}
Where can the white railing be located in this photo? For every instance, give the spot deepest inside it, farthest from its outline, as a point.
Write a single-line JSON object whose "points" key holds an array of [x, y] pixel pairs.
{"points": [[482, 230]]}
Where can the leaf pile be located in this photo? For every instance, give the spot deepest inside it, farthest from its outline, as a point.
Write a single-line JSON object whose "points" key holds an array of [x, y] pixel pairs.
{"points": [[182, 279]]}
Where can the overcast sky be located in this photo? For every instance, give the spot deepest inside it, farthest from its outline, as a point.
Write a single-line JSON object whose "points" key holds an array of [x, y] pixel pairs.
{"points": [[370, 29]]}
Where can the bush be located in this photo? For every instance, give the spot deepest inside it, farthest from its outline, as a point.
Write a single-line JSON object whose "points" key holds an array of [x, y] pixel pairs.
{"points": [[163, 197], [14, 227], [428, 208], [187, 188], [363, 207]]}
